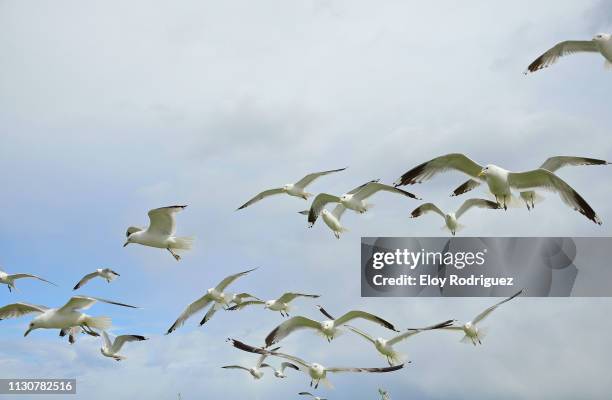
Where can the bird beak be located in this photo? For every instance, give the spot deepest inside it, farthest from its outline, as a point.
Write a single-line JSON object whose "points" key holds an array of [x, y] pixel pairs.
{"points": [[27, 332], [481, 173], [126, 243]]}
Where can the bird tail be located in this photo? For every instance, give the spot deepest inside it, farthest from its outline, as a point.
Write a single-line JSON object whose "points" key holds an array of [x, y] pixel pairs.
{"points": [[183, 243], [466, 340], [101, 323], [482, 333], [327, 383]]}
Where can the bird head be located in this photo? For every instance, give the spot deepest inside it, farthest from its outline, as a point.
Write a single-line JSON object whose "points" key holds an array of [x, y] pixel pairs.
{"points": [[600, 37], [268, 304], [33, 325], [318, 369], [287, 187], [486, 170]]}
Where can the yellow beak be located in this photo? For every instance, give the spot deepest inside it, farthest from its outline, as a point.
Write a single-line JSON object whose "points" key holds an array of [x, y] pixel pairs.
{"points": [[481, 173]]}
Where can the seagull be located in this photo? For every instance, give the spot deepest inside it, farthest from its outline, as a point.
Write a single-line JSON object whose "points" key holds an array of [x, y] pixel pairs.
{"points": [[255, 371], [384, 395], [552, 164], [385, 347], [329, 329], [332, 219], [280, 373], [354, 200], [240, 298], [67, 316], [281, 304], [110, 349], [473, 334], [105, 273], [292, 189], [501, 181], [214, 295], [451, 219], [317, 372], [160, 232], [9, 279], [601, 43], [311, 395]]}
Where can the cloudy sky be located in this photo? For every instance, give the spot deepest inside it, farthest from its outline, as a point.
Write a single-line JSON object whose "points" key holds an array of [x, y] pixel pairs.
{"points": [[112, 108]]}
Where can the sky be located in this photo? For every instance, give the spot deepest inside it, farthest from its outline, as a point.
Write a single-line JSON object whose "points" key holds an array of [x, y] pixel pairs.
{"points": [[109, 109]]}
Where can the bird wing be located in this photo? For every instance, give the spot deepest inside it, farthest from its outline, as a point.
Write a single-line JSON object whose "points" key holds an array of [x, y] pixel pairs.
{"points": [[559, 50], [465, 187], [189, 311], [228, 280], [308, 179], [235, 367], [317, 205], [554, 163], [411, 332], [543, 179], [107, 341], [375, 370], [242, 296], [479, 203], [427, 170], [285, 365], [258, 350], [424, 209], [162, 220], [372, 187], [351, 315], [289, 326], [84, 302], [289, 296], [489, 310], [20, 309], [358, 188], [122, 339], [361, 333], [338, 211], [20, 276], [306, 394], [262, 195], [85, 279], [245, 304]]}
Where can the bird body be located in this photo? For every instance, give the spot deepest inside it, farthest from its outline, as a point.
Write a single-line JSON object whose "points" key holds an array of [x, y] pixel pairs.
{"points": [[111, 348], [333, 222]]}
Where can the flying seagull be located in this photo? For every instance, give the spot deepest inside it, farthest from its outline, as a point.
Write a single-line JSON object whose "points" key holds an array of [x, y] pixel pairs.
{"points": [[601, 43], [353, 200], [110, 349], [451, 219], [9, 279], [255, 371], [317, 372], [280, 373], [292, 189], [385, 347], [332, 219], [311, 395], [552, 164], [501, 181], [473, 334], [214, 295], [160, 232], [329, 329], [281, 304], [67, 316], [105, 273]]}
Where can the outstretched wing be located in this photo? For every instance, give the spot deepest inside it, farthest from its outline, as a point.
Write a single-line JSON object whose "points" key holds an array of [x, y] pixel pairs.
{"points": [[85, 279], [465, 187], [189, 311], [356, 314], [411, 332], [285, 365], [290, 296], [489, 310], [559, 50], [426, 208], [479, 203], [361, 333], [543, 179], [235, 367], [308, 179], [245, 304], [107, 341], [338, 211], [162, 220], [20, 309], [289, 326], [373, 187], [262, 195], [122, 339], [84, 302], [306, 394], [317, 205], [258, 350], [228, 280], [374, 370], [554, 163], [427, 170], [20, 276]]}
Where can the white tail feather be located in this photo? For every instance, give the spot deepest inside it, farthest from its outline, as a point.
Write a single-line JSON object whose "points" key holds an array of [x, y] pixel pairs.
{"points": [[183, 243], [101, 323]]}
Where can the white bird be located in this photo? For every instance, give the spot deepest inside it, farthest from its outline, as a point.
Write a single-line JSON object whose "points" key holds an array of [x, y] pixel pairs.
{"points": [[280, 373], [384, 395], [9, 279], [255, 371], [353, 200], [317, 372], [161, 232], [110, 349], [281, 304], [296, 189], [214, 295], [105, 273], [501, 182], [451, 219], [332, 219], [551, 164], [311, 395], [385, 346], [67, 316], [601, 43], [474, 334], [329, 328]]}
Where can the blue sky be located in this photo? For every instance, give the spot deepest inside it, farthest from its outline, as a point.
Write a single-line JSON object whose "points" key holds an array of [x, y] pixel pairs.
{"points": [[109, 109]]}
